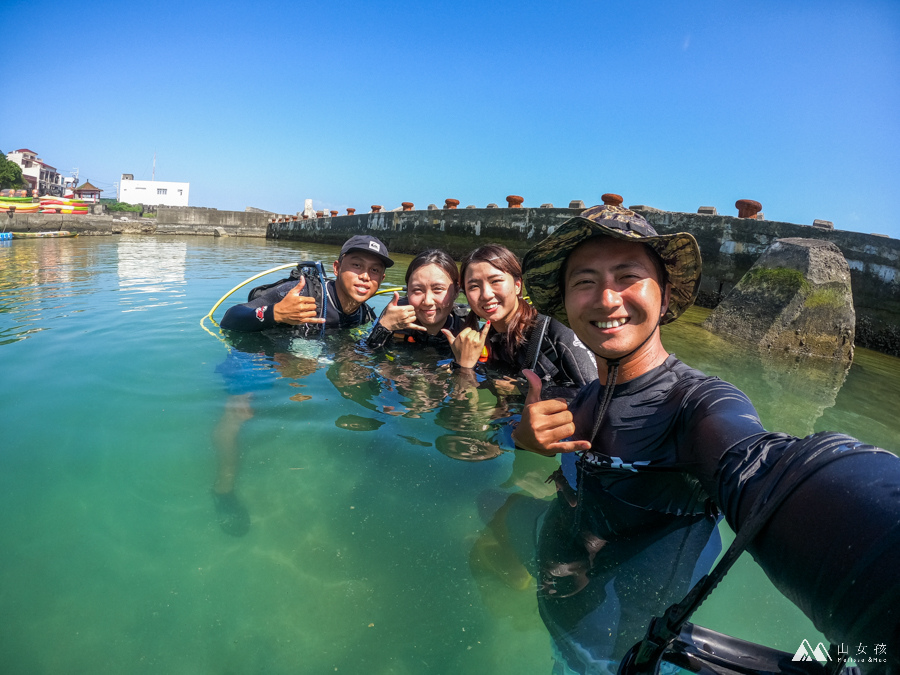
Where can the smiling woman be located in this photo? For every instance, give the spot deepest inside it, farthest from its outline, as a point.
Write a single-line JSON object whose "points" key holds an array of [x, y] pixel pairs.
{"points": [[432, 283], [515, 337]]}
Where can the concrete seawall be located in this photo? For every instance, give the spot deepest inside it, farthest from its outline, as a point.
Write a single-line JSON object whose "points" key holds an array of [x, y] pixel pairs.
{"points": [[729, 245], [184, 221], [456, 231]]}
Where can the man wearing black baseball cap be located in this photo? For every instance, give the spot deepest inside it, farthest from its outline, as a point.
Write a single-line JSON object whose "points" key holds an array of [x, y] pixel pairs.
{"points": [[301, 303], [359, 270]]}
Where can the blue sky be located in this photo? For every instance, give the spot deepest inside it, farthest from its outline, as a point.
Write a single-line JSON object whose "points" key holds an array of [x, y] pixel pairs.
{"points": [[672, 104]]}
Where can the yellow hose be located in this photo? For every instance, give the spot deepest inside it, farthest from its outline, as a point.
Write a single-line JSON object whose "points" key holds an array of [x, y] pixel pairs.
{"points": [[238, 287], [244, 283]]}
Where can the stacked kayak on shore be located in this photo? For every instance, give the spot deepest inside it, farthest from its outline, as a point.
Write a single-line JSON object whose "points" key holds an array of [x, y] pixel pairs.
{"points": [[19, 205], [61, 205], [46, 205]]}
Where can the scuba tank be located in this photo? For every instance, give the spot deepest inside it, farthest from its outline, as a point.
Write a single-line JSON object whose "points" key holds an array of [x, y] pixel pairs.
{"points": [[314, 275]]}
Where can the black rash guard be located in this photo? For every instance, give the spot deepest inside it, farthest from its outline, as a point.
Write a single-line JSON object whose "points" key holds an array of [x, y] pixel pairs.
{"points": [[564, 362], [258, 314], [380, 337], [674, 442]]}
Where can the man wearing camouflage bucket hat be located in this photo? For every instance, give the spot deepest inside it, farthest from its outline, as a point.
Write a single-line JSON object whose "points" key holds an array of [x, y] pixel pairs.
{"points": [[654, 445], [623, 327]]}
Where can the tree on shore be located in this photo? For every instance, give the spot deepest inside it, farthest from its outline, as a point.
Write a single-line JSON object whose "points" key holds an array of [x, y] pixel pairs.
{"points": [[10, 174]]}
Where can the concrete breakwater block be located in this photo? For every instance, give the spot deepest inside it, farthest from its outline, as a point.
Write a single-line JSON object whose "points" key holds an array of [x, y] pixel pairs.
{"points": [[795, 299]]}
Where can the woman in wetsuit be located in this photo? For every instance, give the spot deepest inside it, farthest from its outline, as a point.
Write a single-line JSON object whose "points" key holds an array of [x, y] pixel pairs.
{"points": [[432, 284], [492, 282]]}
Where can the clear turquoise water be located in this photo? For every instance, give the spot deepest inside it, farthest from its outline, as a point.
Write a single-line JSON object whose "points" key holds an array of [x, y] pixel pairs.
{"points": [[367, 550]]}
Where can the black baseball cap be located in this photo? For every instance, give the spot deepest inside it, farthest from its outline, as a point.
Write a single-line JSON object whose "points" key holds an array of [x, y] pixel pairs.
{"points": [[367, 244]]}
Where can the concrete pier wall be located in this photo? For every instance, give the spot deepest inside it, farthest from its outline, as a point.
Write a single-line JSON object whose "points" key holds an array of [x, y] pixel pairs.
{"points": [[90, 224], [193, 220], [456, 231]]}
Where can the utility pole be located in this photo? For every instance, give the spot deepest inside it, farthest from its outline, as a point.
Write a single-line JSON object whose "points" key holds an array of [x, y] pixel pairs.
{"points": [[74, 181]]}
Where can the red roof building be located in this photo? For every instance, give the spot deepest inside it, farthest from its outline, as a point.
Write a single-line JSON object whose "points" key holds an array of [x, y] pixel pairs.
{"points": [[88, 192], [43, 178]]}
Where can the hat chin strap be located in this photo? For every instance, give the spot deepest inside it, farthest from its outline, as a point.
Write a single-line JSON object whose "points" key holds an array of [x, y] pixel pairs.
{"points": [[612, 373]]}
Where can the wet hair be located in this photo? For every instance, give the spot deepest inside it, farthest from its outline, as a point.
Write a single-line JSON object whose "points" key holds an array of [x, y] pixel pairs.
{"points": [[434, 257], [523, 318]]}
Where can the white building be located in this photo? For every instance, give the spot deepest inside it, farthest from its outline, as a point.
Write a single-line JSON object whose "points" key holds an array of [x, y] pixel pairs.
{"points": [[40, 176], [152, 192]]}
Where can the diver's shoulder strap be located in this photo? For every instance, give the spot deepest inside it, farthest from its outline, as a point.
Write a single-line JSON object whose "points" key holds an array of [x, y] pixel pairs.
{"points": [[535, 340]]}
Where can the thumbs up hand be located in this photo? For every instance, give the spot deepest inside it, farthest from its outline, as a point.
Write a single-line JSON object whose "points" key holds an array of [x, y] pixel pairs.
{"points": [[468, 344], [545, 424], [399, 317], [295, 308]]}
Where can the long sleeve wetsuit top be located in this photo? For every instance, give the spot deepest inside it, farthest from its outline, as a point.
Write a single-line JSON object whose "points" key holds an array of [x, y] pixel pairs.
{"points": [[675, 442], [563, 361], [258, 314]]}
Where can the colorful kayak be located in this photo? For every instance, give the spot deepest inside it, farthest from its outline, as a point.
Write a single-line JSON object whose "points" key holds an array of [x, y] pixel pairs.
{"points": [[63, 202], [60, 205], [41, 235], [20, 208]]}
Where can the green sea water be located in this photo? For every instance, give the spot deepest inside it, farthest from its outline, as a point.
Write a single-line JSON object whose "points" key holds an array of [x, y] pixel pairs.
{"points": [[368, 550]]}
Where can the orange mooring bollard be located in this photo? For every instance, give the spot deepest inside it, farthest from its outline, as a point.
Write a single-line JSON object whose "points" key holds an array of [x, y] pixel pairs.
{"points": [[451, 203], [515, 201], [611, 199], [747, 208]]}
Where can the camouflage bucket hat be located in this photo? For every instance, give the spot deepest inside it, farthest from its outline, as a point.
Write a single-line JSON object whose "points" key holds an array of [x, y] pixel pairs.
{"points": [[543, 264]]}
